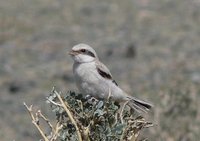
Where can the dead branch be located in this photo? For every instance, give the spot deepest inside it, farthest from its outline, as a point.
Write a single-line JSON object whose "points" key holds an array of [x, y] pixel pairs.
{"points": [[65, 105], [35, 121]]}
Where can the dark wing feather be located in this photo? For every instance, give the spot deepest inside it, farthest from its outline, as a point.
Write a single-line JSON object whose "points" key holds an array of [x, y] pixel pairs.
{"points": [[104, 72], [115, 82]]}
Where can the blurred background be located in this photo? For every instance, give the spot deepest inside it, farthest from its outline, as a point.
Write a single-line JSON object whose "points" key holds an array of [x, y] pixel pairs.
{"points": [[152, 48]]}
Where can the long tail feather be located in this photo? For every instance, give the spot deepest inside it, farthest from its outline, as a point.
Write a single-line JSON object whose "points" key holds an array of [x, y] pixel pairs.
{"points": [[139, 105]]}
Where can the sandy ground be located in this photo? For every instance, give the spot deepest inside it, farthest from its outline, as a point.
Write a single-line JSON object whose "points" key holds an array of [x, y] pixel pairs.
{"points": [[151, 47]]}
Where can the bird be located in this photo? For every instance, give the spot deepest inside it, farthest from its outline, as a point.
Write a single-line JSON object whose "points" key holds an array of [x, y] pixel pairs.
{"points": [[93, 78]]}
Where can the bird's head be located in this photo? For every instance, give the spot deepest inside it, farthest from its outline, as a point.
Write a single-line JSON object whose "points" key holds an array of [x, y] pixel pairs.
{"points": [[83, 53]]}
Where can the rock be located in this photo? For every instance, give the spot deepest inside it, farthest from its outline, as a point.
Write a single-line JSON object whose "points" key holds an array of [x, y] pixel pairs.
{"points": [[130, 51]]}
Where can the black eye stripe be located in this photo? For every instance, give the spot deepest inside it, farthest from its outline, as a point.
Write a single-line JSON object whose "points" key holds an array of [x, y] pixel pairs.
{"points": [[84, 51], [90, 53]]}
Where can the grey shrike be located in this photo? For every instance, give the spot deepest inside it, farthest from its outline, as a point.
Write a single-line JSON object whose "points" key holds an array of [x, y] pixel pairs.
{"points": [[94, 78]]}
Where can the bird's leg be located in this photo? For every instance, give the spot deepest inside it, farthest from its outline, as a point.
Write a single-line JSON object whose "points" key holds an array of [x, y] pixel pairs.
{"points": [[121, 112]]}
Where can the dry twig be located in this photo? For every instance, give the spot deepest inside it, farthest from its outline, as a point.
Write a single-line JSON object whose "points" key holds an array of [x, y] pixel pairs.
{"points": [[35, 121], [64, 105]]}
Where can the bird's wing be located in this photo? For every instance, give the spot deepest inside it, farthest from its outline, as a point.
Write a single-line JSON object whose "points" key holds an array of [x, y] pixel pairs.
{"points": [[104, 71]]}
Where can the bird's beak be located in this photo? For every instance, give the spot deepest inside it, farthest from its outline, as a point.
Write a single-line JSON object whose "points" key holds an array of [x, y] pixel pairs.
{"points": [[73, 53]]}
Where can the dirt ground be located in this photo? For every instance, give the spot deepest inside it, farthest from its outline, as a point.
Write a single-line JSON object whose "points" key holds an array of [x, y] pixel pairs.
{"points": [[152, 48]]}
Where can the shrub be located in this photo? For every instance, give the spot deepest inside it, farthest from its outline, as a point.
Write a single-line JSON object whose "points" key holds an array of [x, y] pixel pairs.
{"points": [[86, 118]]}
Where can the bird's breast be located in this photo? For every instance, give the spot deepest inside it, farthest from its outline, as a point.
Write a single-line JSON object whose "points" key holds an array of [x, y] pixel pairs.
{"points": [[85, 75], [90, 82], [85, 72]]}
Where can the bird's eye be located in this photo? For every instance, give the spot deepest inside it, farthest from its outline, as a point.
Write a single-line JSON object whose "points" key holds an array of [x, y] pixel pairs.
{"points": [[83, 50]]}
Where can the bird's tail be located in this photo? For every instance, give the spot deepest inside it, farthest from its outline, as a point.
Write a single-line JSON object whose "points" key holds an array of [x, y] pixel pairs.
{"points": [[139, 105]]}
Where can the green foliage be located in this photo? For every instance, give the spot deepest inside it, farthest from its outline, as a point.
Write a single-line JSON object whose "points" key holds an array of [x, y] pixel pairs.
{"points": [[96, 119]]}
